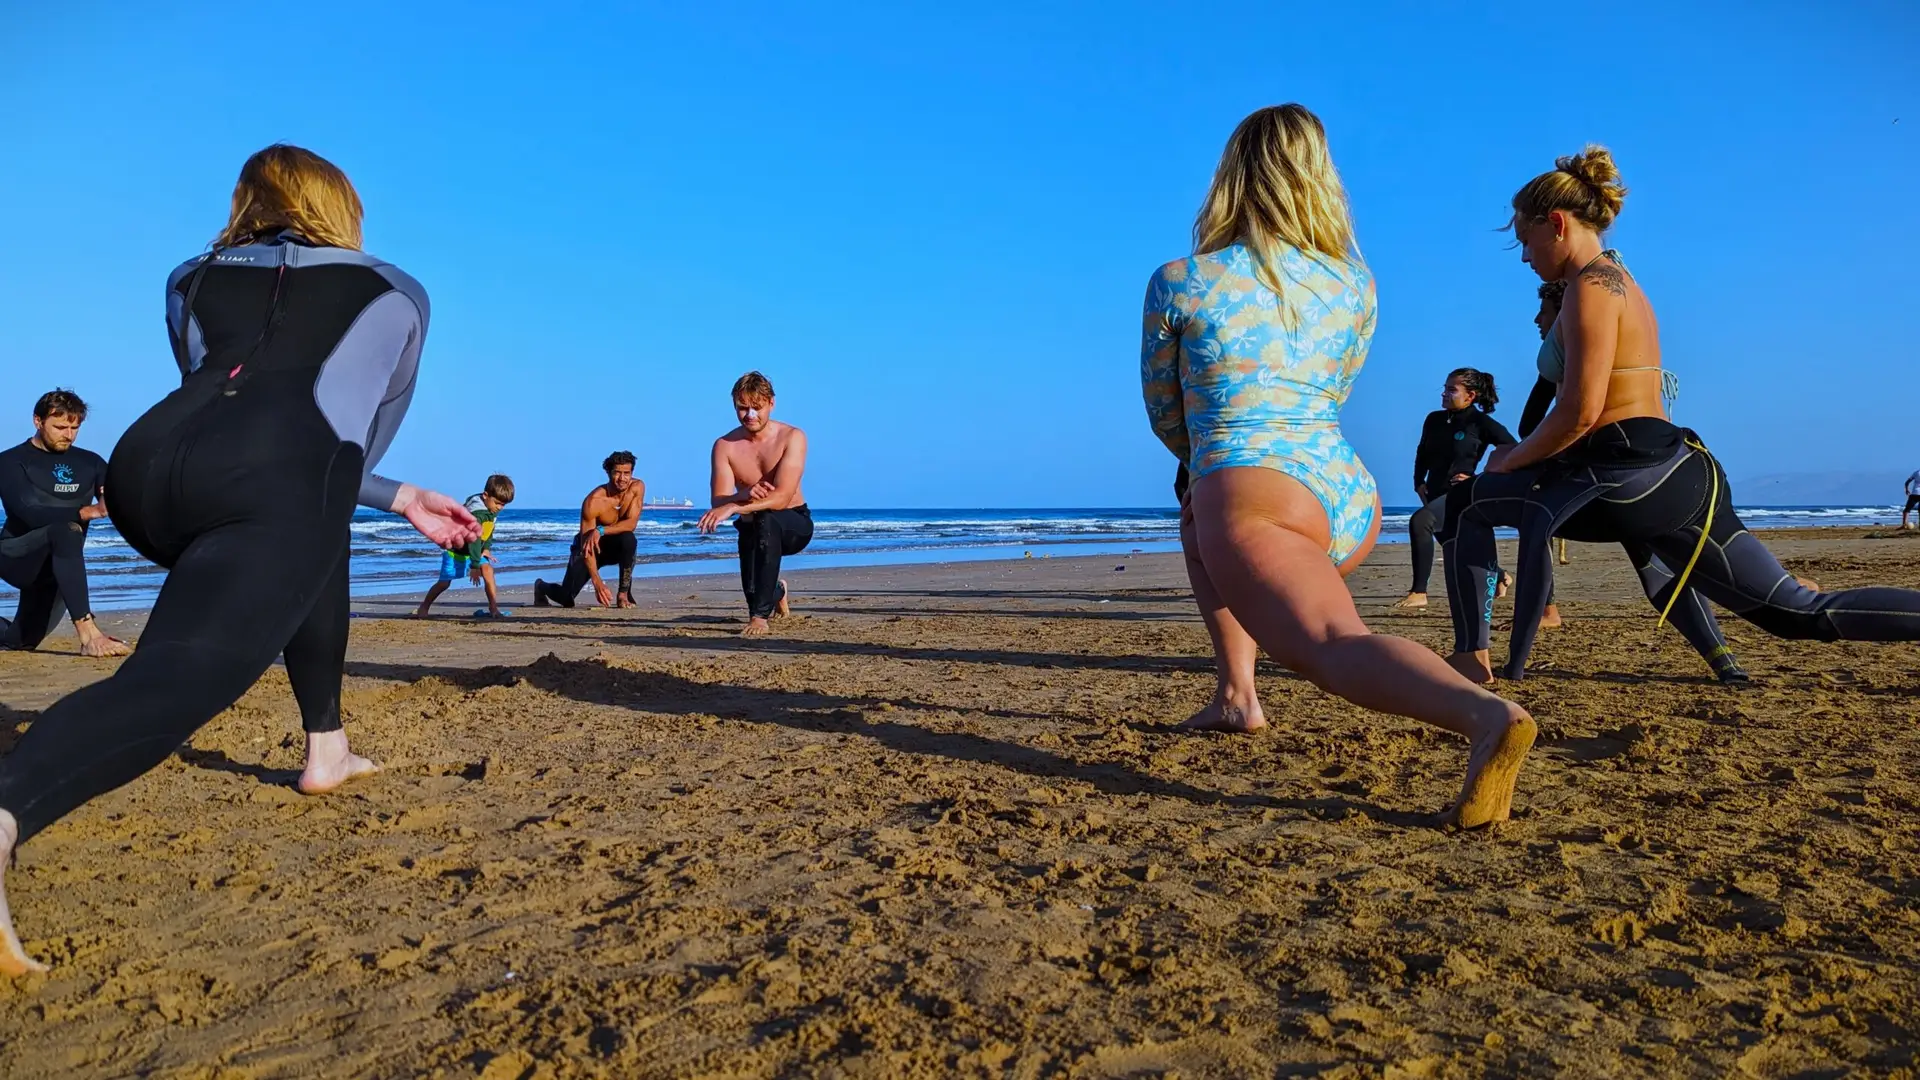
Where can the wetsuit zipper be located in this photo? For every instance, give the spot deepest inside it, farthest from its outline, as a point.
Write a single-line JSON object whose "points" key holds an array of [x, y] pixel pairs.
{"points": [[235, 377]]}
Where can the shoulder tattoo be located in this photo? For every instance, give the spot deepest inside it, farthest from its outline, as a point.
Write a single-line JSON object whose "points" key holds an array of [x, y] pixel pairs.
{"points": [[1607, 276]]}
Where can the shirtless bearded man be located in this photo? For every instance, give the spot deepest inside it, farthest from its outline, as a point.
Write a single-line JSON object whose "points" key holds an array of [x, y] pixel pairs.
{"points": [[756, 477], [608, 517]]}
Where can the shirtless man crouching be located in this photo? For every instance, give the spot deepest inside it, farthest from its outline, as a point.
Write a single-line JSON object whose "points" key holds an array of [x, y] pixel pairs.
{"points": [[756, 475], [607, 520]]}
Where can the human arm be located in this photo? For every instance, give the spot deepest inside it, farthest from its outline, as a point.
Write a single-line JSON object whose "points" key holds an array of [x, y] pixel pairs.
{"points": [[724, 488], [439, 518], [1162, 323], [785, 483], [589, 530], [1589, 326], [1537, 405], [1423, 470]]}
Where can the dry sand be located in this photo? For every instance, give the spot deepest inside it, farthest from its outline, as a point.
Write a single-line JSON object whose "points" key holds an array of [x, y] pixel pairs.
{"points": [[941, 826]]}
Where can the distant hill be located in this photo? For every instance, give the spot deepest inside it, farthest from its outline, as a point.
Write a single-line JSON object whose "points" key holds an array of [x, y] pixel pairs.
{"points": [[1820, 489]]}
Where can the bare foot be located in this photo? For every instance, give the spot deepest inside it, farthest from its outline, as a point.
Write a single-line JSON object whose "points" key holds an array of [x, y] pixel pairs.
{"points": [[421, 611], [330, 764], [1476, 666], [783, 609], [103, 645], [1506, 582], [756, 627], [1494, 768], [626, 601], [13, 956], [1808, 583], [1236, 714], [1551, 620], [1413, 601]]}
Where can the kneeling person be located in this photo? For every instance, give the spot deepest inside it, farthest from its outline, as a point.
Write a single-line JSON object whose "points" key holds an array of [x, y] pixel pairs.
{"points": [[51, 490], [608, 517], [756, 477]]}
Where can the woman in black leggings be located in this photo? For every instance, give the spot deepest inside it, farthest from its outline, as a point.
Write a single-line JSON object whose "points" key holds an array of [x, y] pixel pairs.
{"points": [[297, 355], [1451, 442], [1606, 465]]}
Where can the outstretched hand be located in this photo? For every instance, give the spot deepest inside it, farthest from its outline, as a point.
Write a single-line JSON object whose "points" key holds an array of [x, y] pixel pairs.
{"points": [[441, 519]]}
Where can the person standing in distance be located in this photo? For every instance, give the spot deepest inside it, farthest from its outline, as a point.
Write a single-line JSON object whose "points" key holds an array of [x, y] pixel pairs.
{"points": [[297, 355], [1451, 442], [756, 477], [50, 491], [1913, 498]]}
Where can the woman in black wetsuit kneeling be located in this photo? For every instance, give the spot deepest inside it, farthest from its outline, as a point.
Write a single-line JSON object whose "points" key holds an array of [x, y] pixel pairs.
{"points": [[297, 355], [1606, 466]]}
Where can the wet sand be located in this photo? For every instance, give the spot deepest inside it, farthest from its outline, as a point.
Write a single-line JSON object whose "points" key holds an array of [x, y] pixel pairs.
{"points": [[942, 826]]}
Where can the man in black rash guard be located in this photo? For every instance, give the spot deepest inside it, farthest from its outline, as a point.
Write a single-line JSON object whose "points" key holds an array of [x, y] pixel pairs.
{"points": [[50, 491], [297, 355], [1452, 440]]}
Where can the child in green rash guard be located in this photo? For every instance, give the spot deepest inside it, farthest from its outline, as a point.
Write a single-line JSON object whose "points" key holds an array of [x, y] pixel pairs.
{"points": [[475, 561]]}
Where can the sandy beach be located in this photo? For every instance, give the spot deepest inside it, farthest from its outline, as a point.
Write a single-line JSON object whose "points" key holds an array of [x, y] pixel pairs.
{"points": [[941, 825]]}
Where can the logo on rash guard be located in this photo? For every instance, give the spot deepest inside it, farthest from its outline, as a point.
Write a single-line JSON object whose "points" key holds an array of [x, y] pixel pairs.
{"points": [[63, 480]]}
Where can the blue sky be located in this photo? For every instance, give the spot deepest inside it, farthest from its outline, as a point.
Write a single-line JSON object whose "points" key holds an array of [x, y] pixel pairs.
{"points": [[932, 227]]}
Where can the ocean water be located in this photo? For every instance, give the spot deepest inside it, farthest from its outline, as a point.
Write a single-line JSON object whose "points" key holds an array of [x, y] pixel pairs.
{"points": [[388, 556]]}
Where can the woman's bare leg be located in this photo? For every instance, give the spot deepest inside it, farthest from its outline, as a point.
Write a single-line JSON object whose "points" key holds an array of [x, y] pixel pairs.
{"points": [[13, 957], [1236, 700], [1263, 539]]}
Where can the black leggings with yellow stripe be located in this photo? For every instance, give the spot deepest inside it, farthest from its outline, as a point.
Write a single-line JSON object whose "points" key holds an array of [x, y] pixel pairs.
{"points": [[1661, 509]]}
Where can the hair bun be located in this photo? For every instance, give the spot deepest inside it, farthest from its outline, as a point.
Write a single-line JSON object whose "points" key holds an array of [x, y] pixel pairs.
{"points": [[1595, 169]]}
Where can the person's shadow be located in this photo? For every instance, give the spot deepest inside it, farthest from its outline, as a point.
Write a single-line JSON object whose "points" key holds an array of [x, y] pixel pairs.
{"points": [[594, 682]]}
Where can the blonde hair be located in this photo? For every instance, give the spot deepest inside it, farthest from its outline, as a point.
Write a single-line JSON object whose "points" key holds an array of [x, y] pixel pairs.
{"points": [[1276, 186], [1586, 185], [287, 187], [752, 387]]}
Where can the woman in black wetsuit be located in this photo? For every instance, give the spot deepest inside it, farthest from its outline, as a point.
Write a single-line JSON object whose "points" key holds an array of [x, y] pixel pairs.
{"points": [[1451, 442], [297, 355], [1606, 465]]}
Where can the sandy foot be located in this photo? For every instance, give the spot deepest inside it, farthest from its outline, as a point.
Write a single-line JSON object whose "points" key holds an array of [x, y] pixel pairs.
{"points": [[1551, 620], [13, 956], [1506, 583], [330, 764], [1493, 770], [1234, 714], [1413, 601], [1476, 666], [756, 627], [783, 608]]}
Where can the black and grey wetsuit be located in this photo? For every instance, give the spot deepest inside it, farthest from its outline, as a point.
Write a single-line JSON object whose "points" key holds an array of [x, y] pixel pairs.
{"points": [[297, 363], [1650, 487]]}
